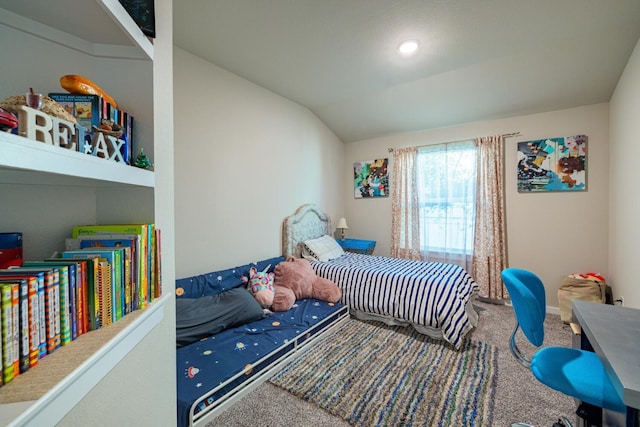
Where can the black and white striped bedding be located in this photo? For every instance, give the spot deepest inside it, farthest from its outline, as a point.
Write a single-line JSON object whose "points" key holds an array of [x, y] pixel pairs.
{"points": [[433, 297]]}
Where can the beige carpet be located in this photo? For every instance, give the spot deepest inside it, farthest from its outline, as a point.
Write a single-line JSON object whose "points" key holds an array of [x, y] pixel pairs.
{"points": [[519, 396]]}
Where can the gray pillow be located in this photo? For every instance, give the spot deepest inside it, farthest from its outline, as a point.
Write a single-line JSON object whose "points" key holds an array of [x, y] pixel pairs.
{"points": [[197, 318]]}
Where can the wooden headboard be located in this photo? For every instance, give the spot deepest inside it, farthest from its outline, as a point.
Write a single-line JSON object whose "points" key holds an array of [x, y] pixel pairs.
{"points": [[307, 222]]}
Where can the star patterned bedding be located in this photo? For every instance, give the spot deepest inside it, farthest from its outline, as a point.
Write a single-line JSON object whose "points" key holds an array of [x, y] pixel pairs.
{"points": [[214, 369]]}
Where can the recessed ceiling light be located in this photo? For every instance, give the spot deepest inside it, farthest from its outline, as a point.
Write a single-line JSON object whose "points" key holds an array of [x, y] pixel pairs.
{"points": [[408, 47]]}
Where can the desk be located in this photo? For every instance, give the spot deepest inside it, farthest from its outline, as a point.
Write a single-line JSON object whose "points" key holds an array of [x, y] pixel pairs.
{"points": [[614, 334]]}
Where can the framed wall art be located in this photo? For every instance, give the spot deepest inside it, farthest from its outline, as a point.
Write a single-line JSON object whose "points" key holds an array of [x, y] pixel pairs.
{"points": [[371, 178], [143, 13], [553, 164]]}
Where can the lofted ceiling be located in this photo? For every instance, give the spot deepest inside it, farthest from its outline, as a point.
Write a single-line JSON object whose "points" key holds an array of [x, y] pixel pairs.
{"points": [[478, 59]]}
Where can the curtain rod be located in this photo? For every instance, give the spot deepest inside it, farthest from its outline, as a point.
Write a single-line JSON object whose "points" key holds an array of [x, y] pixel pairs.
{"points": [[504, 135]]}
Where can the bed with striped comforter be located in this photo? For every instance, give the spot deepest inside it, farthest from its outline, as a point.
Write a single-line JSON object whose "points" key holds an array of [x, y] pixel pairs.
{"points": [[435, 298]]}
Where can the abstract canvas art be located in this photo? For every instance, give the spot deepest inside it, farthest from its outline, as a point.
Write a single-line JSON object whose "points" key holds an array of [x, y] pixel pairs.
{"points": [[371, 178], [553, 164]]}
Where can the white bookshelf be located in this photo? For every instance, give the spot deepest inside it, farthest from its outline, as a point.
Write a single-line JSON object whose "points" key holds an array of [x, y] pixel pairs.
{"points": [[44, 190]]}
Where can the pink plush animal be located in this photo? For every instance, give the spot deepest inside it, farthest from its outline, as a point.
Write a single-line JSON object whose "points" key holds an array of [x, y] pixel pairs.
{"points": [[296, 279], [260, 283]]}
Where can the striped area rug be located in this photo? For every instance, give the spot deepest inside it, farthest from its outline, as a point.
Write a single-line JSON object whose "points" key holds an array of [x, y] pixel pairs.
{"points": [[371, 374]]}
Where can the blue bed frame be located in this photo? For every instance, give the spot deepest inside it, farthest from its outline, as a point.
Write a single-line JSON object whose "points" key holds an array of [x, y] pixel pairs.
{"points": [[216, 371]]}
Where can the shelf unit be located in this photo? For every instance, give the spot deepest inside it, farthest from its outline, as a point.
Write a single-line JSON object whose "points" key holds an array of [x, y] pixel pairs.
{"points": [[45, 190]]}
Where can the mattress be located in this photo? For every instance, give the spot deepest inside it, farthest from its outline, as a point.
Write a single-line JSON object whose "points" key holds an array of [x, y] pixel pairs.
{"points": [[435, 298], [211, 370]]}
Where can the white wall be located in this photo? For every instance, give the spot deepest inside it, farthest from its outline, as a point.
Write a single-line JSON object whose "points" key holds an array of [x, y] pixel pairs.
{"points": [[245, 158], [553, 234], [624, 210]]}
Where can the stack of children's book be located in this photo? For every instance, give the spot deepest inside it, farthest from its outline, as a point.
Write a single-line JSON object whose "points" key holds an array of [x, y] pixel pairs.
{"points": [[93, 111], [104, 273]]}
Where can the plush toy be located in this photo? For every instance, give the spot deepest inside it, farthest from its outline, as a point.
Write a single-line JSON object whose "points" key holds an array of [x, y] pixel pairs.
{"points": [[296, 279], [260, 283]]}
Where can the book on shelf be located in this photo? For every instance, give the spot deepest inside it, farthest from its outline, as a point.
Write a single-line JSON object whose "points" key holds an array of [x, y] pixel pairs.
{"points": [[104, 292], [10, 250], [15, 327], [115, 257], [130, 243], [29, 321], [91, 110], [77, 285], [158, 264], [6, 319], [88, 309], [68, 296], [87, 109], [38, 308], [144, 258], [20, 320], [51, 277]]}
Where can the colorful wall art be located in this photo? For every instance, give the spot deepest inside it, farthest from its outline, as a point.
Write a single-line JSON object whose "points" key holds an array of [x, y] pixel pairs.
{"points": [[553, 164], [371, 179]]}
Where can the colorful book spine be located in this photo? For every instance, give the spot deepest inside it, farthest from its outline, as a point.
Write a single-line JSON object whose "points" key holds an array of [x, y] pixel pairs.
{"points": [[64, 304], [69, 276], [7, 332], [142, 230], [42, 316], [37, 279], [73, 292], [84, 323], [152, 263], [34, 323], [51, 289], [158, 265], [105, 293], [114, 257], [52, 312], [32, 328], [15, 327], [23, 325], [125, 243], [87, 295]]}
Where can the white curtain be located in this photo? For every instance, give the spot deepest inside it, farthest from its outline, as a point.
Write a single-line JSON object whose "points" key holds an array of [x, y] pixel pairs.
{"points": [[405, 235], [446, 194]]}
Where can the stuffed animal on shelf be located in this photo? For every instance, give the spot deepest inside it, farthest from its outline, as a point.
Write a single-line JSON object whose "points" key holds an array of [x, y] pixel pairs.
{"points": [[260, 283], [296, 279]]}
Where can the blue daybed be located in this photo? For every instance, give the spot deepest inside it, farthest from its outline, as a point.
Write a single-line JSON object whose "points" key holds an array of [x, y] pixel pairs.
{"points": [[215, 370]]}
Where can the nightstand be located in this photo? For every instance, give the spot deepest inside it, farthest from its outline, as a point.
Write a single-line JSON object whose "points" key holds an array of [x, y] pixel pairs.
{"points": [[357, 246]]}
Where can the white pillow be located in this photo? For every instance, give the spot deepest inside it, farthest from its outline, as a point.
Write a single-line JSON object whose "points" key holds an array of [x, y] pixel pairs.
{"points": [[322, 249]]}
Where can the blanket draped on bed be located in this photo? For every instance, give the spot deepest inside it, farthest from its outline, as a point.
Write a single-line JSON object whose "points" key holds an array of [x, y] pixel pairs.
{"points": [[433, 297]]}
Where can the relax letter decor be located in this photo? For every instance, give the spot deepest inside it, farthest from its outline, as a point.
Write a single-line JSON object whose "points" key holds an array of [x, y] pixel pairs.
{"points": [[41, 127]]}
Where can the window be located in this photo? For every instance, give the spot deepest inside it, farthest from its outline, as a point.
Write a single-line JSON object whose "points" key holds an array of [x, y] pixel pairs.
{"points": [[446, 175]]}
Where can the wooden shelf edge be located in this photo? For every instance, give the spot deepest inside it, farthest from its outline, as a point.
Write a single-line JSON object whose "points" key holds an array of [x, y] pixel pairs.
{"points": [[57, 402]]}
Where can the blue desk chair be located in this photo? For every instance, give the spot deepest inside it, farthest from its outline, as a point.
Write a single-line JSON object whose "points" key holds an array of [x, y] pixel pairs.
{"points": [[576, 373]]}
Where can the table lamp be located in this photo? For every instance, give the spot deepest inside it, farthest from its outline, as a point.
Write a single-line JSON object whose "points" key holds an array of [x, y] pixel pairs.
{"points": [[342, 225]]}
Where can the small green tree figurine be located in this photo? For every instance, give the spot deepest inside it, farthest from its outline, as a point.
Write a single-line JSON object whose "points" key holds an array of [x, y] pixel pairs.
{"points": [[142, 161]]}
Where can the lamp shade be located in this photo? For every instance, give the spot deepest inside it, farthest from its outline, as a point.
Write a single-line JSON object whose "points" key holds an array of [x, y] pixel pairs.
{"points": [[342, 223]]}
